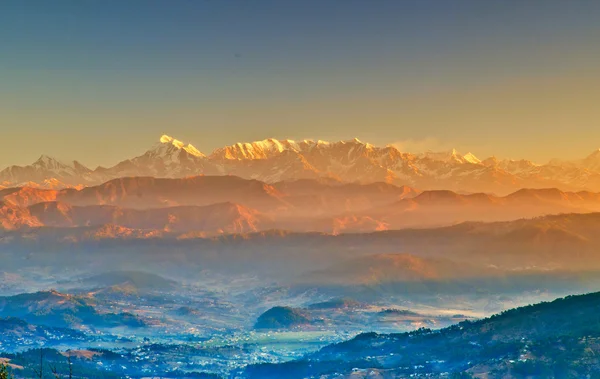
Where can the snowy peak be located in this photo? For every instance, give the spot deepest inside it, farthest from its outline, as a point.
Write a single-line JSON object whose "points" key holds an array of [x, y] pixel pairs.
{"points": [[167, 139], [168, 158], [169, 144], [452, 156], [271, 147], [469, 157]]}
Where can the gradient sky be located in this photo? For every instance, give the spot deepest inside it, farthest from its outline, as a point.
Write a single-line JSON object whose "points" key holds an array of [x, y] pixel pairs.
{"points": [[100, 81]]}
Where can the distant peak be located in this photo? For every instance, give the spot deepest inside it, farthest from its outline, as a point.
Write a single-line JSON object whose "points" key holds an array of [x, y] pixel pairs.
{"points": [[46, 161], [189, 148]]}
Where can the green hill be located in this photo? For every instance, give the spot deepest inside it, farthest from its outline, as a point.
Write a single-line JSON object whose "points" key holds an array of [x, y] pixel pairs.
{"points": [[281, 318]]}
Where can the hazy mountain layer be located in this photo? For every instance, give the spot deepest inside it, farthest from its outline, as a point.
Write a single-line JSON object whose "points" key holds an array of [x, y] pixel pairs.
{"points": [[209, 205], [561, 242]]}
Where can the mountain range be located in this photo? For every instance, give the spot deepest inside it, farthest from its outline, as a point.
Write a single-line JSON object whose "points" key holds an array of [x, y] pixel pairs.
{"points": [[350, 161]]}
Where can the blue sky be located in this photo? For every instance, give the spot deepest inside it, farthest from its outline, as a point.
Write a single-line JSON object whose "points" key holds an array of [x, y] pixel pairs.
{"points": [[102, 80]]}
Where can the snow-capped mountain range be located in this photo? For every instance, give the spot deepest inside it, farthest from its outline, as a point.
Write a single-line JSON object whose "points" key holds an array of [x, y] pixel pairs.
{"points": [[274, 160]]}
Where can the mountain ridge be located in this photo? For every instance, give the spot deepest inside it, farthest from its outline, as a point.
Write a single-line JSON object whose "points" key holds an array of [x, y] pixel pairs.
{"points": [[273, 160]]}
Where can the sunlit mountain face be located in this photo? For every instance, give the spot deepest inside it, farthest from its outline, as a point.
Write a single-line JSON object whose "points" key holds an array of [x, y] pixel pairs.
{"points": [[345, 189]]}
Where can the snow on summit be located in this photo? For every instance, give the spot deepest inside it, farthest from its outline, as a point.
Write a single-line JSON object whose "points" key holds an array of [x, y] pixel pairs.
{"points": [[469, 157], [264, 149], [166, 140]]}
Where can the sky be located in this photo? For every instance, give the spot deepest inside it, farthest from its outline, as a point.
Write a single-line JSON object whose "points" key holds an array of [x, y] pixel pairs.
{"points": [[100, 81]]}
